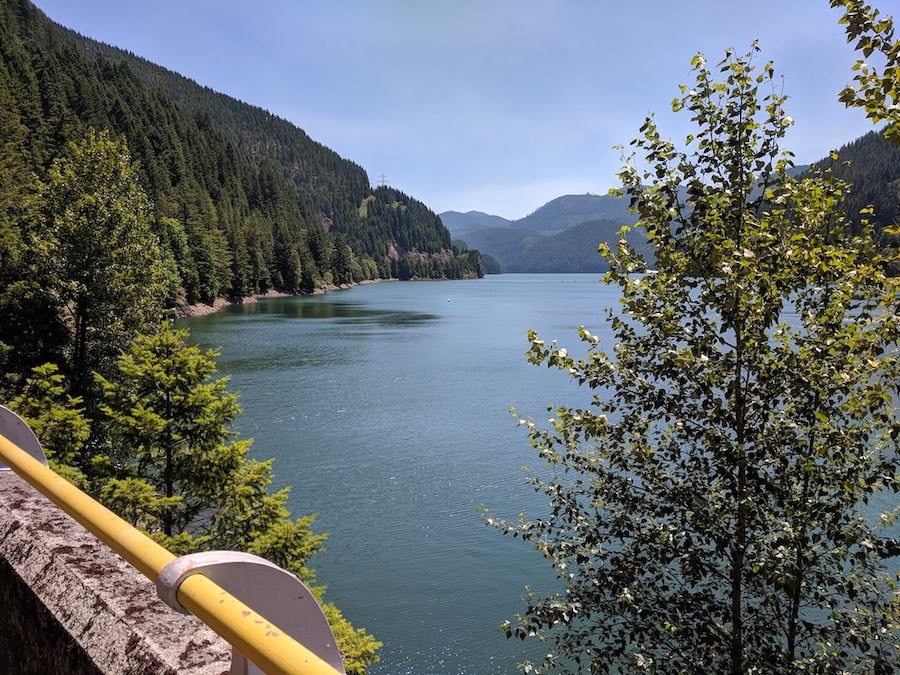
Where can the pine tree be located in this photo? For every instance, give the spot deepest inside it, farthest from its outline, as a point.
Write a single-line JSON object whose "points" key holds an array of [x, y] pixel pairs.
{"points": [[179, 473], [56, 418]]}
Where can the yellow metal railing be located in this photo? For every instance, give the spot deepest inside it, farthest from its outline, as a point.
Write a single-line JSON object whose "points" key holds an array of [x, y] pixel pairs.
{"points": [[266, 645]]}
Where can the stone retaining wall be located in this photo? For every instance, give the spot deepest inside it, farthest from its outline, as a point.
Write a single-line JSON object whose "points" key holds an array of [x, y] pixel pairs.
{"points": [[68, 604]]}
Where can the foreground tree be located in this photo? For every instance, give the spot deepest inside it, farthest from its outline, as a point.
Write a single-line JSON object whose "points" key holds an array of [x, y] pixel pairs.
{"points": [[56, 418], [179, 474], [876, 86], [708, 512], [96, 254]]}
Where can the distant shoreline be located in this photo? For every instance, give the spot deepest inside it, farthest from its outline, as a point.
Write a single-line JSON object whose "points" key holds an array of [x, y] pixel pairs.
{"points": [[186, 311]]}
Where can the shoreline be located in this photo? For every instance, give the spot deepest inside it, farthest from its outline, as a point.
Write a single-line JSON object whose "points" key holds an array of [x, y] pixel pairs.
{"points": [[186, 311]]}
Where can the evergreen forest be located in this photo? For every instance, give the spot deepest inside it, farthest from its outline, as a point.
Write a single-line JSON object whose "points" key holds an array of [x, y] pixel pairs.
{"points": [[871, 165], [126, 192], [241, 201]]}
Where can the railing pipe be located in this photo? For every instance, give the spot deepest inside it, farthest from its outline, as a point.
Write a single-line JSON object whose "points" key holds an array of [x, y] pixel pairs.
{"points": [[264, 644]]}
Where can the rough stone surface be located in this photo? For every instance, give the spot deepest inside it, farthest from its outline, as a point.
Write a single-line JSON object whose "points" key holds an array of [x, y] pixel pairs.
{"points": [[68, 604]]}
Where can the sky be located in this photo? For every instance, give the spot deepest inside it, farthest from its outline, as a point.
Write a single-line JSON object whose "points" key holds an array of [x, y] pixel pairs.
{"points": [[488, 105]]}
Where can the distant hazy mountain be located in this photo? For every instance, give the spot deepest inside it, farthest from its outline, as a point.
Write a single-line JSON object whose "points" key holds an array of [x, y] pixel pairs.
{"points": [[569, 210], [461, 224], [560, 236], [575, 249], [505, 244], [572, 250]]}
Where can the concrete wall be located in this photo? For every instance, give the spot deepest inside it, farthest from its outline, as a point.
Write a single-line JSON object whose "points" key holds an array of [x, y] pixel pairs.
{"points": [[68, 604]]}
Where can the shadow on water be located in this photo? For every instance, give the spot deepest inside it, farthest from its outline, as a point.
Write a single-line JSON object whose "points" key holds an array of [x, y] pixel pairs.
{"points": [[315, 308]]}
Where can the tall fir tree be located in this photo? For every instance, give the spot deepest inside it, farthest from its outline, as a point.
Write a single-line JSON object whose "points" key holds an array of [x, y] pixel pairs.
{"points": [[179, 473]]}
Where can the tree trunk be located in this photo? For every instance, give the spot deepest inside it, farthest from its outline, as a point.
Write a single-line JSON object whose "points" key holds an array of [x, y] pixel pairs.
{"points": [[795, 591], [168, 475], [798, 560], [79, 357], [737, 569], [740, 534]]}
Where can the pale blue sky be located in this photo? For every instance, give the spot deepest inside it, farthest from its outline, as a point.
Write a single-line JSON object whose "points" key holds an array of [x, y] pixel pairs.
{"points": [[491, 105]]}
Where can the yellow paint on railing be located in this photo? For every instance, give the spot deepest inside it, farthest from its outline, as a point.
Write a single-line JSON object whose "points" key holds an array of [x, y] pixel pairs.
{"points": [[266, 645]]}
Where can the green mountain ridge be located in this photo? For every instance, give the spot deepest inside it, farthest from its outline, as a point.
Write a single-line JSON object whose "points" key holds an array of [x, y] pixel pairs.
{"points": [[560, 236], [555, 216], [573, 249], [564, 212], [311, 166], [874, 173], [243, 200], [563, 234], [461, 224]]}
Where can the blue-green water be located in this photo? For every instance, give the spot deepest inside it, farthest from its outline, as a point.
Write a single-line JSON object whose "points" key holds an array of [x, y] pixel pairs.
{"points": [[386, 407]]}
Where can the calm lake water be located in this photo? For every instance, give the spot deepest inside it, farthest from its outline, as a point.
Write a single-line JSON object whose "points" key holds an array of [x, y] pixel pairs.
{"points": [[386, 407]]}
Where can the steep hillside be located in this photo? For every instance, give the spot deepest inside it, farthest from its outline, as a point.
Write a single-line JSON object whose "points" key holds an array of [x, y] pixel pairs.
{"points": [[491, 264], [461, 224], [575, 249], [244, 201], [504, 244], [874, 173], [334, 186], [564, 212]]}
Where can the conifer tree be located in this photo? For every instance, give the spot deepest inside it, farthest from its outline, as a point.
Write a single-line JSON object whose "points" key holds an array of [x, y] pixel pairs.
{"points": [[57, 419], [178, 472]]}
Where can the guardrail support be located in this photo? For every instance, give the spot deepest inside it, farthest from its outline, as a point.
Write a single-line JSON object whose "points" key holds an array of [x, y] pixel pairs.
{"points": [[14, 428], [272, 648], [271, 591]]}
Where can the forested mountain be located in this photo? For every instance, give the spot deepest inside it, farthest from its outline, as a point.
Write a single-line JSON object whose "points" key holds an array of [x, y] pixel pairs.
{"points": [[406, 237], [554, 216], [571, 250], [560, 236], [243, 201], [569, 210], [502, 243], [461, 224], [874, 173], [575, 249], [333, 186]]}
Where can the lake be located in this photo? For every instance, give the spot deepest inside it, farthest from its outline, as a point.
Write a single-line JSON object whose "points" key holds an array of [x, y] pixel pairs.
{"points": [[386, 407]]}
